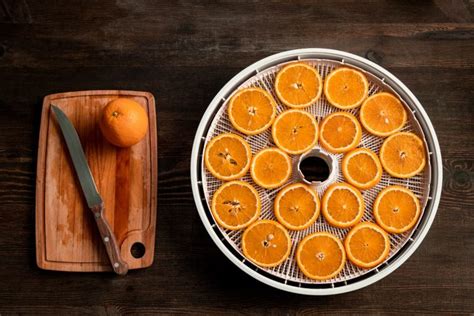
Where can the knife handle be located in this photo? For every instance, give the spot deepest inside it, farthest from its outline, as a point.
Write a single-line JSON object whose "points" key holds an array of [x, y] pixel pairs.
{"points": [[108, 238]]}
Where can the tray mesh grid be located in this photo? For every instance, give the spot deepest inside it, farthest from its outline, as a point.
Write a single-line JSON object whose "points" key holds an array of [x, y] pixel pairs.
{"points": [[289, 270]]}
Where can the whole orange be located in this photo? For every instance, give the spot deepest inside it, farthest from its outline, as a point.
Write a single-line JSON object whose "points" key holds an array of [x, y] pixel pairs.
{"points": [[124, 122]]}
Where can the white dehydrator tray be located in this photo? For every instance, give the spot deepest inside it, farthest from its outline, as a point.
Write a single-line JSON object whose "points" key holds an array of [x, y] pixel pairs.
{"points": [[287, 276]]}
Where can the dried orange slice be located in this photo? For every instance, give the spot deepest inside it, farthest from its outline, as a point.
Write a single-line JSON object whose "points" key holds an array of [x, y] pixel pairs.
{"points": [[228, 156], [340, 132], [342, 205], [298, 85], [403, 155], [396, 209], [321, 256], [266, 243], [367, 245], [270, 168], [346, 88], [235, 205], [295, 131], [252, 110], [361, 168], [382, 114], [296, 206]]}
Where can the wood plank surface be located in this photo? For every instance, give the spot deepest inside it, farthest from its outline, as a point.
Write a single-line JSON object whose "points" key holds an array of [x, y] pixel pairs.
{"points": [[67, 235], [183, 52]]}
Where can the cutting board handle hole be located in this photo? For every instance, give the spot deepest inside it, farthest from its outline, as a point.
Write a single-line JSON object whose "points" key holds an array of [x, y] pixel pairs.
{"points": [[137, 250]]}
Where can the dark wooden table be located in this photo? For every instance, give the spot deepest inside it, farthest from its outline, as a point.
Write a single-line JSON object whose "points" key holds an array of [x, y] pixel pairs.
{"points": [[184, 52]]}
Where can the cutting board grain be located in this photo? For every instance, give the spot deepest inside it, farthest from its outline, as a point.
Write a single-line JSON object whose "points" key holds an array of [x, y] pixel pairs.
{"points": [[67, 238]]}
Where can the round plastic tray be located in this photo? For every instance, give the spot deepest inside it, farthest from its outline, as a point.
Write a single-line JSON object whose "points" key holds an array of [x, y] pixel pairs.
{"points": [[287, 276]]}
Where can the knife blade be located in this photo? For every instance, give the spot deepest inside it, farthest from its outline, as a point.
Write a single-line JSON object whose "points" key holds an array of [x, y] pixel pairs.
{"points": [[92, 196]]}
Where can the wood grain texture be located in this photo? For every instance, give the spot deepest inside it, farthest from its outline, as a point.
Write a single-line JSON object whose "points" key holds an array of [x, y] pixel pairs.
{"points": [[184, 52], [67, 237]]}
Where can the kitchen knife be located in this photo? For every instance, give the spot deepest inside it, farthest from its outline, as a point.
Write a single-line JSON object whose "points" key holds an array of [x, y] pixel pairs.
{"points": [[94, 201]]}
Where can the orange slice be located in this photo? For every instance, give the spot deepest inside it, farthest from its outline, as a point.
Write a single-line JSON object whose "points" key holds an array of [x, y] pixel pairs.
{"points": [[270, 168], [295, 131], [342, 205], [252, 110], [346, 88], [321, 256], [296, 206], [361, 168], [382, 114], [298, 85], [235, 205], [266, 243], [403, 155], [396, 209], [367, 245], [340, 132], [228, 157]]}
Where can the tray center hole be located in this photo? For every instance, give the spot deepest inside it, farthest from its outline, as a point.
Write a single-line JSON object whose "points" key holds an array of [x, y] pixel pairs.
{"points": [[315, 169]]}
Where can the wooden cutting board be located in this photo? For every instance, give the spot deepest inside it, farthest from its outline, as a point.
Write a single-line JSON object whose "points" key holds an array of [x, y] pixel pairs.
{"points": [[67, 238]]}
